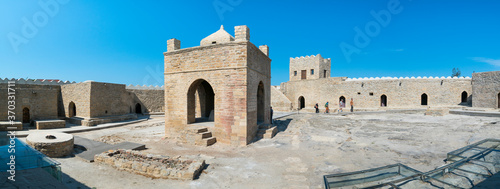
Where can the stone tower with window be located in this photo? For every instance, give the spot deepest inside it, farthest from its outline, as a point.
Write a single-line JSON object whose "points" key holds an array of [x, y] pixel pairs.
{"points": [[309, 67], [219, 90]]}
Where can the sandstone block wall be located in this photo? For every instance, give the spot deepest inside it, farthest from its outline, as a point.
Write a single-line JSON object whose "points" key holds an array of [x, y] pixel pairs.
{"points": [[314, 62], [108, 99], [78, 93], [41, 100], [50, 124], [486, 89], [153, 100], [400, 93], [279, 101]]}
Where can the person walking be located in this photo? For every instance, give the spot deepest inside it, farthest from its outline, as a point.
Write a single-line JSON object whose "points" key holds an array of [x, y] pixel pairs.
{"points": [[340, 105], [316, 107], [271, 117], [326, 108], [352, 105]]}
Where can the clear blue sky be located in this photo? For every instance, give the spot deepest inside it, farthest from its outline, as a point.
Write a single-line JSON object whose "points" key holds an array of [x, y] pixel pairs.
{"points": [[123, 41]]}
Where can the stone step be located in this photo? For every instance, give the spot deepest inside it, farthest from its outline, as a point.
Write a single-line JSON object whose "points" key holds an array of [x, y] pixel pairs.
{"points": [[210, 141], [206, 135], [201, 130], [267, 133], [265, 126]]}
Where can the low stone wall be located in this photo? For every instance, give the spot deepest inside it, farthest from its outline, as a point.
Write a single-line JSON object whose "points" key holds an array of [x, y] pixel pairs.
{"points": [[6, 124], [50, 124], [100, 120], [154, 166]]}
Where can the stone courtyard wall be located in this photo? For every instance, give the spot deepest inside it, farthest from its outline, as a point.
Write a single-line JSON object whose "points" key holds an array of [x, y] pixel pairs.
{"points": [[279, 101], [41, 100], [78, 93], [400, 92], [486, 88], [153, 100], [109, 99]]}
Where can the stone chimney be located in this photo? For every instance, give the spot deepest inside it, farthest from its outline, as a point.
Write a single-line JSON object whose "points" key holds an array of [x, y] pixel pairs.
{"points": [[264, 49], [241, 33], [173, 44]]}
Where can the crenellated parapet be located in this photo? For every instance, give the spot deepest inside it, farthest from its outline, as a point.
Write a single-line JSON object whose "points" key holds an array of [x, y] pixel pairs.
{"points": [[144, 87], [36, 81], [401, 78]]}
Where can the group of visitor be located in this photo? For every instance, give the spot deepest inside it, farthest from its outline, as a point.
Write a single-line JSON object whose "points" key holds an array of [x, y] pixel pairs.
{"points": [[341, 105]]}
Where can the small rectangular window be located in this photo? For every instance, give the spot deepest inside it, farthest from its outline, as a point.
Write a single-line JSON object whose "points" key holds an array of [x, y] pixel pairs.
{"points": [[359, 93], [312, 71], [294, 73], [371, 94]]}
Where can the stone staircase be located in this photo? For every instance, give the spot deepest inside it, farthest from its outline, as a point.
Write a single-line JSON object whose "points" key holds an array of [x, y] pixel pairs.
{"points": [[200, 136], [266, 131]]}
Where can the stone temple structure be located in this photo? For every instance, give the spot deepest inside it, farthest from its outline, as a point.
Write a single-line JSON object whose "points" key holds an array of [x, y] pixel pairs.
{"points": [[223, 85]]}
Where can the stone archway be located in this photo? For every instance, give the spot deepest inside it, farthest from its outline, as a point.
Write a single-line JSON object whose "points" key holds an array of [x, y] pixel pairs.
{"points": [[26, 115], [138, 108], [72, 109], [260, 103], [383, 101], [200, 97], [302, 102], [423, 99], [464, 97], [342, 98]]}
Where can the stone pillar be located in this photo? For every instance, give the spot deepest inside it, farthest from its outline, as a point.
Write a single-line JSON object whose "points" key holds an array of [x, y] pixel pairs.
{"points": [[241, 33], [264, 49], [173, 44]]}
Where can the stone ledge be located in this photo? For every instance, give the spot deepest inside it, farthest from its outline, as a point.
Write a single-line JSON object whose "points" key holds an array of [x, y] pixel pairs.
{"points": [[4, 125], [49, 124], [154, 166]]}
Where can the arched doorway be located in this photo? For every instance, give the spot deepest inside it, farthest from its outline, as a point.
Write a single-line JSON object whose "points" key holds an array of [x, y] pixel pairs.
{"points": [[423, 99], [302, 102], [26, 115], [72, 109], [383, 101], [200, 97], [342, 98], [498, 100], [464, 96], [260, 103], [138, 108]]}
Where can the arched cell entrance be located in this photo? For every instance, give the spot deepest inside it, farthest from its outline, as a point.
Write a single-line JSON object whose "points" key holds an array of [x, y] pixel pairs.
{"points": [[342, 98], [260, 103], [200, 102], [302, 102], [138, 108], [383, 101], [498, 100], [464, 97], [423, 99], [26, 115], [72, 109]]}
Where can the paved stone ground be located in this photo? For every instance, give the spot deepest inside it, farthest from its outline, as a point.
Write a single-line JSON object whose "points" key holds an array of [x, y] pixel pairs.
{"points": [[95, 147], [307, 147]]}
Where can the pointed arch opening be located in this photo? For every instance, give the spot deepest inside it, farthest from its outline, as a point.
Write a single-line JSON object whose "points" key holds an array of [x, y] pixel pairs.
{"points": [[26, 115], [260, 103], [423, 99], [200, 102], [464, 97], [498, 100], [342, 99], [302, 102], [72, 109], [383, 101]]}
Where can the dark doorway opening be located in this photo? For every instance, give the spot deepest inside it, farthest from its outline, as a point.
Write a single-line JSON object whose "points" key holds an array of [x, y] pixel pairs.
{"points": [[383, 101], [423, 99], [72, 109], [302, 102], [464, 96], [342, 99], [26, 115], [260, 103], [138, 108], [303, 74], [498, 100], [324, 73], [201, 102]]}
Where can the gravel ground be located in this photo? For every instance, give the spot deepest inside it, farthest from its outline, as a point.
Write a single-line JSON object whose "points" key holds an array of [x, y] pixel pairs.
{"points": [[307, 147]]}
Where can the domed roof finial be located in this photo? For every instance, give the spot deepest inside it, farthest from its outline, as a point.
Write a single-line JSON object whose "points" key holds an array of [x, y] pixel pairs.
{"points": [[222, 27]]}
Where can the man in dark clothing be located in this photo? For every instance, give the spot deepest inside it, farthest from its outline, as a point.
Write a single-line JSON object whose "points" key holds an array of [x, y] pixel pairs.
{"points": [[271, 117], [352, 105], [317, 108]]}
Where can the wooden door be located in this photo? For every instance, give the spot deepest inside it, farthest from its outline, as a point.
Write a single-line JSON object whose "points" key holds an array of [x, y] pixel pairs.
{"points": [[304, 74]]}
